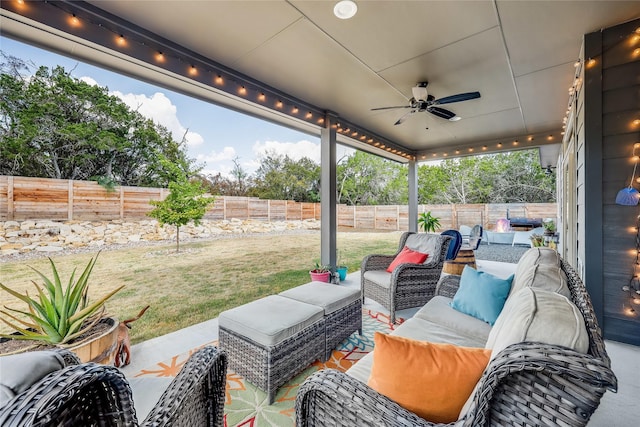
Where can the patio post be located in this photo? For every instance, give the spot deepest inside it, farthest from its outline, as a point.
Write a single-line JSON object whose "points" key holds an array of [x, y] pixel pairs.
{"points": [[328, 192], [413, 196]]}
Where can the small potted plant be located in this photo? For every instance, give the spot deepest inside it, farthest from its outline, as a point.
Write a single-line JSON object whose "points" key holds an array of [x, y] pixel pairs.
{"points": [[61, 316], [549, 227], [427, 222], [341, 269], [321, 273]]}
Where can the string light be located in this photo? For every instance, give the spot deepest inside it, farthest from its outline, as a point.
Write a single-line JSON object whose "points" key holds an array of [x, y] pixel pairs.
{"points": [[146, 49], [74, 21], [484, 148], [633, 288], [499, 144]]}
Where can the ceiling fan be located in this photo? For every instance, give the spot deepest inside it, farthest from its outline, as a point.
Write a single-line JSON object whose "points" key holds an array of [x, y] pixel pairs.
{"points": [[422, 101]]}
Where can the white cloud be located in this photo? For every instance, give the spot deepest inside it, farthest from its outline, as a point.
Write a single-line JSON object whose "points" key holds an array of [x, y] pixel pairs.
{"points": [[161, 110], [88, 80], [295, 150], [227, 153]]}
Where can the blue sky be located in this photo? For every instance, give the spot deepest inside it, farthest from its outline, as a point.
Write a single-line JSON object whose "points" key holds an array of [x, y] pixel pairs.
{"points": [[215, 135]]}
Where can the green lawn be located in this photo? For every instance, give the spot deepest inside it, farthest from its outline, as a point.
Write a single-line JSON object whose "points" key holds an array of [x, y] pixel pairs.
{"points": [[205, 278]]}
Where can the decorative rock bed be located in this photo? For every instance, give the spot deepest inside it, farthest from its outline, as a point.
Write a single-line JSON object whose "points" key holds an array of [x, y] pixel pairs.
{"points": [[18, 237]]}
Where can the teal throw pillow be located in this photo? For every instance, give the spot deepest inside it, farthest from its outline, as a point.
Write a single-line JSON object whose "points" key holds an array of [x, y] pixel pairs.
{"points": [[481, 295]]}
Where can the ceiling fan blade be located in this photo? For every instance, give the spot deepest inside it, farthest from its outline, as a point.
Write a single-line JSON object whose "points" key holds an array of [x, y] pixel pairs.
{"points": [[457, 98], [390, 108], [441, 112], [403, 118]]}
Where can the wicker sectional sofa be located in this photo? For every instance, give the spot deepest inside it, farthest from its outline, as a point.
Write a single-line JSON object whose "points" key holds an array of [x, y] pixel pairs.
{"points": [[540, 372]]}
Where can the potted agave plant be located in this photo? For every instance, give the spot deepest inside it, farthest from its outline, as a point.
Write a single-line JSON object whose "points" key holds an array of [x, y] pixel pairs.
{"points": [[62, 316]]}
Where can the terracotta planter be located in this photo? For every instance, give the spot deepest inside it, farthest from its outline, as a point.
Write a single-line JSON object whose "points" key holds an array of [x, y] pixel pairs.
{"points": [[320, 277]]}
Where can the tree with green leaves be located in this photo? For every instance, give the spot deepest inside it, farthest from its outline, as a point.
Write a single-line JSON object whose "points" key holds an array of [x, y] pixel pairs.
{"points": [[186, 201], [53, 125], [280, 177]]}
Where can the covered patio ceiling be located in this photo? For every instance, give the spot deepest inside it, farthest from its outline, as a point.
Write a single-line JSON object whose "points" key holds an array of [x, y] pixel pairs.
{"points": [[293, 61]]}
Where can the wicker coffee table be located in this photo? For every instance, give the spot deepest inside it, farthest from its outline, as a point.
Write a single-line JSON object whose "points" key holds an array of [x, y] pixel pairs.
{"points": [[271, 340], [342, 309]]}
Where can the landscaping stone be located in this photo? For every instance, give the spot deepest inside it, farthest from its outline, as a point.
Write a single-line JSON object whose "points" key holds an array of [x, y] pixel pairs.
{"points": [[51, 236], [49, 248]]}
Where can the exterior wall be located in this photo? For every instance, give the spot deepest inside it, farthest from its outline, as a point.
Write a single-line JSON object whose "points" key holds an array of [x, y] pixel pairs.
{"points": [[597, 157]]}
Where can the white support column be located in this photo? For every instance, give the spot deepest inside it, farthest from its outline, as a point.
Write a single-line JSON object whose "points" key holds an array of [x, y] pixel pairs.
{"points": [[328, 213], [413, 195]]}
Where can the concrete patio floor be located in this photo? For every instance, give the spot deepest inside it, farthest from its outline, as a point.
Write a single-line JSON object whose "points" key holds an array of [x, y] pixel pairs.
{"points": [[615, 410]]}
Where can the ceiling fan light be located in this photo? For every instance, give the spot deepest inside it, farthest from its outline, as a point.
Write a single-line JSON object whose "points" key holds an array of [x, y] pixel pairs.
{"points": [[345, 9], [455, 118]]}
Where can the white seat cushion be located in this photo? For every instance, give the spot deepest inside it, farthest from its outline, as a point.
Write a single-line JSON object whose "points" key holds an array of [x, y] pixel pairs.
{"points": [[438, 311], [417, 329], [379, 277], [270, 320], [543, 276], [533, 257], [329, 297], [539, 315]]}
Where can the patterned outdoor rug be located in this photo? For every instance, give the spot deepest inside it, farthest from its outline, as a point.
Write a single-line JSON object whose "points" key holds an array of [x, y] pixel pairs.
{"points": [[246, 406]]}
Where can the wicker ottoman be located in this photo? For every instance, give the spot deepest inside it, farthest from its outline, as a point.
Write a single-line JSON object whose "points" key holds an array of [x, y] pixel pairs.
{"points": [[342, 310], [271, 340]]}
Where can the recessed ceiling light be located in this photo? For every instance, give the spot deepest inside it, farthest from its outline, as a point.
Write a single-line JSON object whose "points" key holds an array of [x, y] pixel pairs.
{"points": [[455, 118], [345, 9]]}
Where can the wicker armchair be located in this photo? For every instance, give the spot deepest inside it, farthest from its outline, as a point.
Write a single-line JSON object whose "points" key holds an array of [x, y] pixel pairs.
{"points": [[527, 384], [410, 285], [98, 395]]}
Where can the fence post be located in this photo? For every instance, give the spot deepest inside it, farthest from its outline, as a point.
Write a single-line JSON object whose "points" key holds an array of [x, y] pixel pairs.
{"points": [[121, 202], [375, 217], [10, 212], [224, 207], [70, 200], [397, 217]]}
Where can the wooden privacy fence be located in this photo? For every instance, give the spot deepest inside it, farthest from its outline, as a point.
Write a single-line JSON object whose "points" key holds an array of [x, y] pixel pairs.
{"points": [[23, 198]]}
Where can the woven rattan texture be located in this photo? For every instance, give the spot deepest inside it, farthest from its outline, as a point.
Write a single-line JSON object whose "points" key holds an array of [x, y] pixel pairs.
{"points": [[527, 384], [341, 324], [98, 395], [269, 367], [412, 285]]}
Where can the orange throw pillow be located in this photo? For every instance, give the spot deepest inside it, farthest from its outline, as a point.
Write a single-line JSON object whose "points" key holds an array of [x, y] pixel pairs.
{"points": [[431, 380], [407, 255]]}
